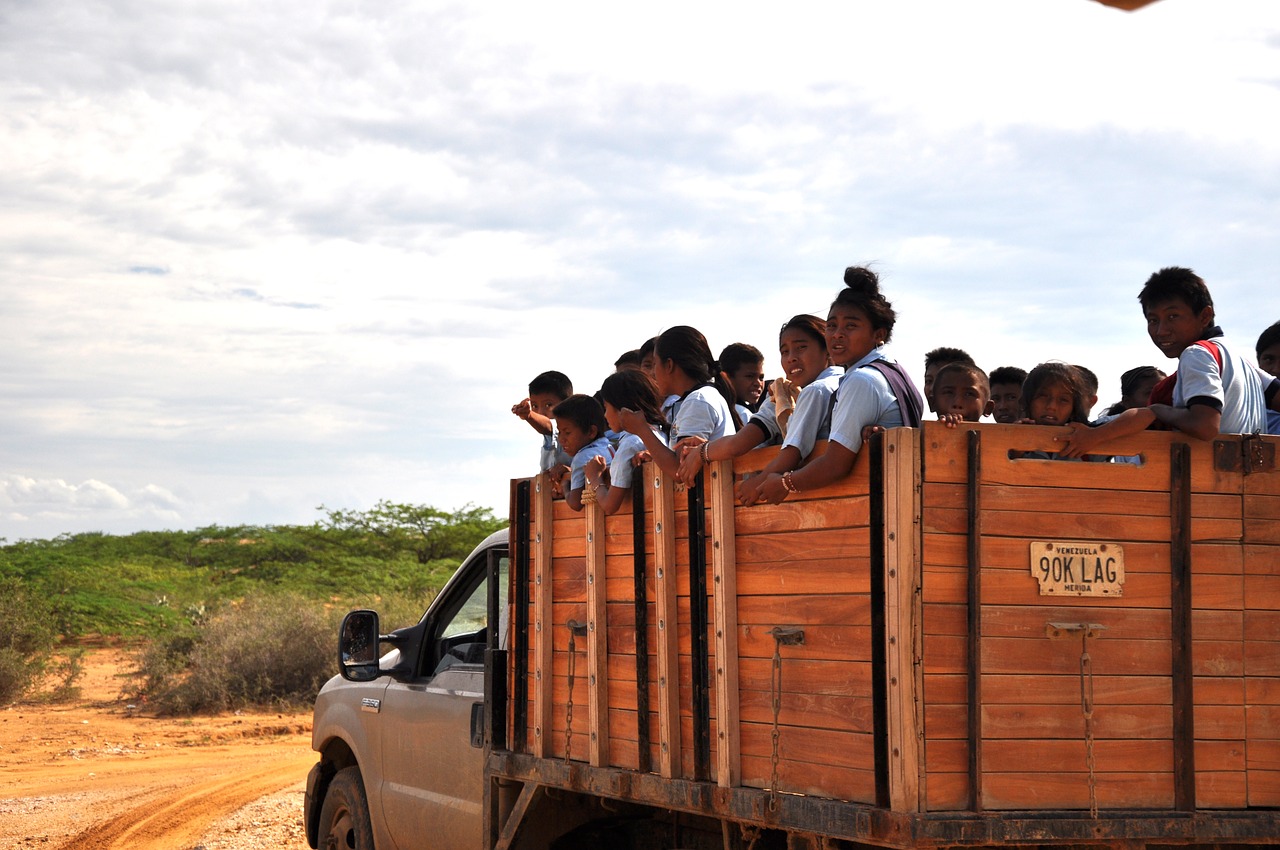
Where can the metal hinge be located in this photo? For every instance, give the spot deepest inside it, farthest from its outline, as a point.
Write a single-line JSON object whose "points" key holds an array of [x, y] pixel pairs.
{"points": [[1251, 453]]}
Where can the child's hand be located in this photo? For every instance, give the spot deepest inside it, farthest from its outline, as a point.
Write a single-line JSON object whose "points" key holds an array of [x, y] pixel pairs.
{"points": [[632, 421], [641, 457], [594, 470], [770, 489], [1078, 439], [951, 419], [522, 409], [868, 430], [748, 490], [689, 450]]}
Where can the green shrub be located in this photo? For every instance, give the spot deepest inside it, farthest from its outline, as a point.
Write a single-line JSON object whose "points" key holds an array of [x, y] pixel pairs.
{"points": [[270, 650], [27, 639]]}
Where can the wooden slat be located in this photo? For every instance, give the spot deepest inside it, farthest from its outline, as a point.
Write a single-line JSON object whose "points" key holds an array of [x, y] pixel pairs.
{"points": [[719, 486], [667, 648], [597, 635]]}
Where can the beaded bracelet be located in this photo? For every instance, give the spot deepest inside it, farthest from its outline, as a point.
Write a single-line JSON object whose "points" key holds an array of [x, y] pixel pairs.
{"points": [[788, 483], [702, 452]]}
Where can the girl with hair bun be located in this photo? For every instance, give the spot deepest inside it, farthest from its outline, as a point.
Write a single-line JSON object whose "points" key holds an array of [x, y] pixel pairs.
{"points": [[684, 367], [875, 391]]}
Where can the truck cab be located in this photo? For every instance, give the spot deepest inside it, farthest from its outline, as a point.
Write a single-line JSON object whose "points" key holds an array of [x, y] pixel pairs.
{"points": [[400, 737]]}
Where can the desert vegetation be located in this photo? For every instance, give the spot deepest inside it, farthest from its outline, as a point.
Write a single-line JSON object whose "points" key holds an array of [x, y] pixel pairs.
{"points": [[224, 616]]}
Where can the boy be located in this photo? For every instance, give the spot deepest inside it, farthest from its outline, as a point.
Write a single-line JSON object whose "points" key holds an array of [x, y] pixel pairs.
{"points": [[743, 365], [1215, 391], [545, 392], [961, 393], [582, 426], [1006, 394], [933, 363], [1268, 349]]}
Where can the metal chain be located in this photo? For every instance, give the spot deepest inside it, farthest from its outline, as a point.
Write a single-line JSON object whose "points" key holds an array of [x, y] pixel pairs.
{"points": [[775, 693], [1086, 708], [568, 710]]}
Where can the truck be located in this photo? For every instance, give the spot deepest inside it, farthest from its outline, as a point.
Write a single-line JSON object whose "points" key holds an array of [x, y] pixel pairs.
{"points": [[965, 643]]}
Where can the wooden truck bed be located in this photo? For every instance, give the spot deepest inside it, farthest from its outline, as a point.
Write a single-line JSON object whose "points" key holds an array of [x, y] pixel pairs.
{"points": [[954, 646]]}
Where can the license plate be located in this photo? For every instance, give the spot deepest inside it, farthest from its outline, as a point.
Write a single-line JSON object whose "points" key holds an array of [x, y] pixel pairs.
{"points": [[1078, 568]]}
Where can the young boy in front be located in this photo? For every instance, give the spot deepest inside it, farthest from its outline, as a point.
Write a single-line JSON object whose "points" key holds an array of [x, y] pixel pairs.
{"points": [[1216, 391], [961, 393], [545, 391], [1006, 394]]}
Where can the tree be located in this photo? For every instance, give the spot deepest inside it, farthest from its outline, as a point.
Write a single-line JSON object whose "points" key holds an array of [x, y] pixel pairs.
{"points": [[428, 533]]}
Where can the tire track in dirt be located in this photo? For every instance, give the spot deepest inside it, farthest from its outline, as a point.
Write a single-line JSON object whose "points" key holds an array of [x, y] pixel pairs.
{"points": [[177, 817]]}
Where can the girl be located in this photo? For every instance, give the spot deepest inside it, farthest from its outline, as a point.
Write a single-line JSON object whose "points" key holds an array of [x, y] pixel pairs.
{"points": [[628, 389], [580, 419], [684, 367], [1135, 390], [807, 368], [874, 391], [1054, 394]]}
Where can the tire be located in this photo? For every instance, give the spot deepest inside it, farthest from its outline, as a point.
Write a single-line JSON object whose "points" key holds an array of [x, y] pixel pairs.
{"points": [[344, 817]]}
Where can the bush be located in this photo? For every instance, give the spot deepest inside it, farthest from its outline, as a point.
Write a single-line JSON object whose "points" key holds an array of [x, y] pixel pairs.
{"points": [[27, 639], [270, 650]]}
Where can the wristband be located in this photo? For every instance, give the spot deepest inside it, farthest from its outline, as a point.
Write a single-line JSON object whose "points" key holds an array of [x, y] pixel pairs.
{"points": [[788, 483]]}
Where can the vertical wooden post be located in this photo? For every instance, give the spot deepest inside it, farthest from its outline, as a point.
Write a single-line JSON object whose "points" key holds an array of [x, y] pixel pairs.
{"points": [[542, 627], [664, 557], [724, 578], [903, 616], [597, 640], [975, 621], [1184, 734], [644, 758]]}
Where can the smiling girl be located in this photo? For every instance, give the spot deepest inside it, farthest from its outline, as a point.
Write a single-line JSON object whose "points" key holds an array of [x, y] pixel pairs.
{"points": [[874, 390]]}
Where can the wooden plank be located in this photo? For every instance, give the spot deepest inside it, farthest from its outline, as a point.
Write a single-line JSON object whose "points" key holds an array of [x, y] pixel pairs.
{"points": [[597, 632], [542, 615], [719, 486], [901, 483], [667, 647], [1137, 789], [783, 577]]}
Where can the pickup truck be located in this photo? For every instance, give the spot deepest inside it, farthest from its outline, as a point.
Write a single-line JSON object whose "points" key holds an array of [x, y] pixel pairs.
{"points": [[965, 643]]}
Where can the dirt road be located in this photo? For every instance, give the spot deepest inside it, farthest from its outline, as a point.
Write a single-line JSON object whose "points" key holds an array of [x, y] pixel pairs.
{"points": [[95, 774]]}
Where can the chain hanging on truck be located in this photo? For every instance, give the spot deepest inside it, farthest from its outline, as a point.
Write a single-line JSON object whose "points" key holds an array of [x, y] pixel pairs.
{"points": [[1086, 631], [575, 629], [790, 637]]}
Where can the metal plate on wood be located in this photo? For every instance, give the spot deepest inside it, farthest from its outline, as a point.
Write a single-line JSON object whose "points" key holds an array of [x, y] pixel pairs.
{"points": [[1078, 568]]}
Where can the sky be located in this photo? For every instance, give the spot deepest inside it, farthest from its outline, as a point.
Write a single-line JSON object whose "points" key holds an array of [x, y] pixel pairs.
{"points": [[259, 258]]}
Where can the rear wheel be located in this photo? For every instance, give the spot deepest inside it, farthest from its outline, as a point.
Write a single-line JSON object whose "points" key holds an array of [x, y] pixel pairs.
{"points": [[344, 817]]}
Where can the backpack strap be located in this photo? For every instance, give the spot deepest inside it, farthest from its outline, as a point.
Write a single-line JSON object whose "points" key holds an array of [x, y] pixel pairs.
{"points": [[910, 402]]}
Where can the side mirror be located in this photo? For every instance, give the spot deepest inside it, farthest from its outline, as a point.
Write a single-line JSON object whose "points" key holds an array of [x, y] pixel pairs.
{"points": [[358, 646]]}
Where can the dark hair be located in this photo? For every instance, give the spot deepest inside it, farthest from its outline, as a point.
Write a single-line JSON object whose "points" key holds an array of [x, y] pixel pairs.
{"points": [[583, 411], [646, 348], [688, 349], [1268, 338], [1054, 372], [628, 358], [862, 292], [947, 355], [1008, 375], [1130, 381], [1175, 282], [634, 389], [1089, 378], [968, 369], [738, 354], [809, 325], [556, 383]]}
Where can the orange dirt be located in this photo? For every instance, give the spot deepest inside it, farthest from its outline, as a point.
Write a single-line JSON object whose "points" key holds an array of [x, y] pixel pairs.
{"points": [[95, 773]]}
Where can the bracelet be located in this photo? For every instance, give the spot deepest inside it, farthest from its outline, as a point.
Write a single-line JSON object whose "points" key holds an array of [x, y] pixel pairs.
{"points": [[702, 452], [788, 483]]}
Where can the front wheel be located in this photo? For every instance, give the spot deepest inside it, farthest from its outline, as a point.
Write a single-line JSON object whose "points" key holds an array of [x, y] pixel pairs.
{"points": [[344, 817]]}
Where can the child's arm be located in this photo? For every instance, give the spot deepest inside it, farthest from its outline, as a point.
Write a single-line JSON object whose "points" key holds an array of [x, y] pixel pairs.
{"points": [[634, 422], [608, 497], [1080, 438], [828, 468], [1199, 420], [787, 460], [524, 410], [692, 455]]}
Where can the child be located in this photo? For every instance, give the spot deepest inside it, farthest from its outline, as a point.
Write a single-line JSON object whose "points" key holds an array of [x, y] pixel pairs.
{"points": [[806, 366], [629, 389], [743, 367], [933, 363], [1214, 389], [1090, 388], [961, 393], [1135, 390], [1054, 394], [873, 391], [1268, 350], [683, 367], [1006, 394], [581, 423], [545, 392]]}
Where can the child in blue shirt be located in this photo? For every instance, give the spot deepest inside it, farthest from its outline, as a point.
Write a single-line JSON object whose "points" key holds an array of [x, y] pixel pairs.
{"points": [[545, 392], [582, 427]]}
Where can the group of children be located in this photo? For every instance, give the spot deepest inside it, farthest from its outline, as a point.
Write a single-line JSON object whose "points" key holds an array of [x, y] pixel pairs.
{"points": [[672, 402]]}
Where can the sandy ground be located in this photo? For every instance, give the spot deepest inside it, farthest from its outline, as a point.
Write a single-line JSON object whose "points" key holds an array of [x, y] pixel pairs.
{"points": [[95, 774]]}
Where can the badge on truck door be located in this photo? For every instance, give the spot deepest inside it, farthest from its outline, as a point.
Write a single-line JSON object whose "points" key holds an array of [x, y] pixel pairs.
{"points": [[1078, 568]]}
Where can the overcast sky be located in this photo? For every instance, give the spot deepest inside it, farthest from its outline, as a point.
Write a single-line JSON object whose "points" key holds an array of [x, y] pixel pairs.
{"points": [[259, 257]]}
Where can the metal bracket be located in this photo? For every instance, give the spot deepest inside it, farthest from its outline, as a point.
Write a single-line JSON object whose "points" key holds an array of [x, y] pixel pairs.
{"points": [[1251, 453], [1054, 631], [577, 628], [787, 636]]}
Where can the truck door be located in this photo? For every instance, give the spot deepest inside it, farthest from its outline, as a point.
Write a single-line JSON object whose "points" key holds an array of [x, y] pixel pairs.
{"points": [[433, 777]]}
